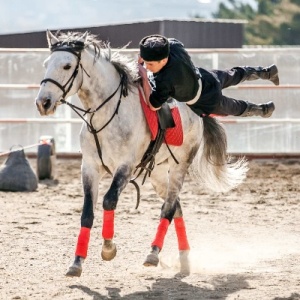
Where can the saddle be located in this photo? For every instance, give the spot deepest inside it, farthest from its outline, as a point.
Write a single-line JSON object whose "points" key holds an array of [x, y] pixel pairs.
{"points": [[165, 126]]}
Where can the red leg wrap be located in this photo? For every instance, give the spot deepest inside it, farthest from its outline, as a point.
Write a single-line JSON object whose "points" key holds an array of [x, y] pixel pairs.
{"points": [[108, 224], [161, 233], [183, 243], [83, 242]]}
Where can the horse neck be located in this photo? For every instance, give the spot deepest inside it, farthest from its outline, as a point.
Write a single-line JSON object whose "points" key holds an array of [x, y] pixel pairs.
{"points": [[101, 83]]}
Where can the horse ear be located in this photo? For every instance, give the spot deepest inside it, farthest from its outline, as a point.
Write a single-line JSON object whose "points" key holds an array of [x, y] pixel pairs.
{"points": [[51, 38], [83, 38]]}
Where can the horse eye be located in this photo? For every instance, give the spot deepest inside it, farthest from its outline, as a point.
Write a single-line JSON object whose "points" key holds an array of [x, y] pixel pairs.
{"points": [[67, 67]]}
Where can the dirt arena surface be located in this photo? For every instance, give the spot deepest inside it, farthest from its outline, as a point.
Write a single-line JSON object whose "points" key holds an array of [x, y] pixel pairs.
{"points": [[245, 244]]}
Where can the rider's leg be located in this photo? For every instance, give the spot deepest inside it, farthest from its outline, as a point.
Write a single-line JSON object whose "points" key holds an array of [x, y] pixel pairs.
{"points": [[233, 107], [237, 75], [230, 106], [264, 110], [267, 73]]}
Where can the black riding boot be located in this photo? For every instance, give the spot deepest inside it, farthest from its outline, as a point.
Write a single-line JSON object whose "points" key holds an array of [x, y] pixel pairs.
{"points": [[263, 110], [268, 73]]}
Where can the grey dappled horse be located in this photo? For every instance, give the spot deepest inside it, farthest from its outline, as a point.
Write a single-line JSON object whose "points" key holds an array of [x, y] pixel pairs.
{"points": [[115, 136]]}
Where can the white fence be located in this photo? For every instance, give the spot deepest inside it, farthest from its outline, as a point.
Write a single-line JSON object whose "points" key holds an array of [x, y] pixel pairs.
{"points": [[21, 71]]}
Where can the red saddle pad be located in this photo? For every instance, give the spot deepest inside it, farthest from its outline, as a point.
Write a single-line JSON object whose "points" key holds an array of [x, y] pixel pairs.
{"points": [[174, 136]]}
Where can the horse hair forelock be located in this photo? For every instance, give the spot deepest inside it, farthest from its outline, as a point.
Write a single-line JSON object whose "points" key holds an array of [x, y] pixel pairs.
{"points": [[125, 66]]}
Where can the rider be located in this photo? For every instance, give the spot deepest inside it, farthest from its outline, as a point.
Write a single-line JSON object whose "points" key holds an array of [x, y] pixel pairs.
{"points": [[175, 76]]}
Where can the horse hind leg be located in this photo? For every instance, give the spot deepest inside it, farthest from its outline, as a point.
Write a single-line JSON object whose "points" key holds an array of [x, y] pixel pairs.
{"points": [[160, 181], [171, 208], [152, 258], [183, 244], [167, 214]]}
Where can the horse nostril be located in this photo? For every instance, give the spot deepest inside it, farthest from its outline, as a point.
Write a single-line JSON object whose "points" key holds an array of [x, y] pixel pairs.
{"points": [[47, 104]]}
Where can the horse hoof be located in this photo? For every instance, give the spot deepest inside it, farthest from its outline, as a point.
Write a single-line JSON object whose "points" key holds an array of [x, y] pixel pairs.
{"points": [[151, 260], [184, 262], [74, 271], [109, 250]]}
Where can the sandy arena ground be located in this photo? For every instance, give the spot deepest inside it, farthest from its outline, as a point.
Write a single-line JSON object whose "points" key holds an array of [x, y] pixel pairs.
{"points": [[245, 243]]}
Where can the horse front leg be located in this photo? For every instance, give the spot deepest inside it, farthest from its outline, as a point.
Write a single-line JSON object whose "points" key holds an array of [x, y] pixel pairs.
{"points": [[110, 200], [90, 180]]}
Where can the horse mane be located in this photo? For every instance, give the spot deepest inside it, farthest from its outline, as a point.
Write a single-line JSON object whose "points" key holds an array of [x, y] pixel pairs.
{"points": [[126, 67]]}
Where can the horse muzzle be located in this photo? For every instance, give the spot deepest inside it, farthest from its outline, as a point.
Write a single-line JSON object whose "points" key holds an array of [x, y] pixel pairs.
{"points": [[46, 106]]}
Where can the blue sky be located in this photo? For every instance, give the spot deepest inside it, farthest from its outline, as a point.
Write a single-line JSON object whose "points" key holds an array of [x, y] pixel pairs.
{"points": [[17, 16]]}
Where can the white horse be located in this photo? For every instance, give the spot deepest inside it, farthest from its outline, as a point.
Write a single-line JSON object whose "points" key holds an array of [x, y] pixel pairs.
{"points": [[115, 137]]}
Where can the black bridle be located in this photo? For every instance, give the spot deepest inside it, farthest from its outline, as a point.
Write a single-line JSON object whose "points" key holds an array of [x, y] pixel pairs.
{"points": [[76, 48]]}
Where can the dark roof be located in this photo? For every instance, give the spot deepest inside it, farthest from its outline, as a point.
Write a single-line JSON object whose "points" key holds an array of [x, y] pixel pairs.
{"points": [[193, 33]]}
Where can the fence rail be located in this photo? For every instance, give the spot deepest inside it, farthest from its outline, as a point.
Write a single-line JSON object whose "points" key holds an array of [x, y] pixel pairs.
{"points": [[20, 122]]}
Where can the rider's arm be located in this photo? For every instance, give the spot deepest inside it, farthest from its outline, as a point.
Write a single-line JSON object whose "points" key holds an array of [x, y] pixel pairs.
{"points": [[146, 86]]}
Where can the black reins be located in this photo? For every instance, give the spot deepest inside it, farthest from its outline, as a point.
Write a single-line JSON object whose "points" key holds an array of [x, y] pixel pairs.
{"points": [[76, 48], [90, 125]]}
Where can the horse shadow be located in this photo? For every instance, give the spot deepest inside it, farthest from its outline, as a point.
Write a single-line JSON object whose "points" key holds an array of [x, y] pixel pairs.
{"points": [[49, 182], [174, 288]]}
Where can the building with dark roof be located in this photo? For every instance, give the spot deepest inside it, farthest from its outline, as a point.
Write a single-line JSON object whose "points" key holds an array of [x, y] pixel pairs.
{"points": [[194, 33]]}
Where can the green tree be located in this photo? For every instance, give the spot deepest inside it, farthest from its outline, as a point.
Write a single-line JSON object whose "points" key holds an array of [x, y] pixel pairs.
{"points": [[275, 22], [238, 11], [289, 33]]}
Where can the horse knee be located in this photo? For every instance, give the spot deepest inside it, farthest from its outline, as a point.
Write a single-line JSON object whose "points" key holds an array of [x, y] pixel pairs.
{"points": [[109, 203], [120, 180]]}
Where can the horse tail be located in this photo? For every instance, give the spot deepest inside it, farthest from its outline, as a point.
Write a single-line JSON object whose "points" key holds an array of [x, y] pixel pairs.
{"points": [[212, 165]]}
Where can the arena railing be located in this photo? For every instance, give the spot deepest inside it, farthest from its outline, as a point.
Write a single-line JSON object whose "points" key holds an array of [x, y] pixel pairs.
{"points": [[277, 136]]}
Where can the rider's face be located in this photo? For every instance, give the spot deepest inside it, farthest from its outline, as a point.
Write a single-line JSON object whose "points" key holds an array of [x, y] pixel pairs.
{"points": [[155, 66]]}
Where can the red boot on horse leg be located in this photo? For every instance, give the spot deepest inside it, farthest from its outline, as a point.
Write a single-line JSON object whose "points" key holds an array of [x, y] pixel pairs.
{"points": [[183, 245], [152, 258], [109, 249]]}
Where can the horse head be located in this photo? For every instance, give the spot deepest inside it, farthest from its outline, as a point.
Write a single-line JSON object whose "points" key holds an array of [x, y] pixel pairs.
{"points": [[63, 77], [79, 62]]}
